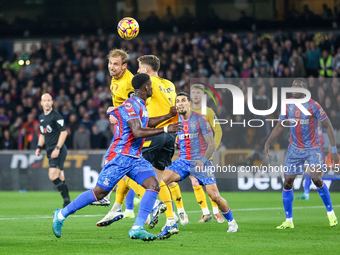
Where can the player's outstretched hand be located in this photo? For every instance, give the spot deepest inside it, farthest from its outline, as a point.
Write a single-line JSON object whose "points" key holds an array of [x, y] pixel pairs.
{"points": [[37, 152], [113, 119], [266, 149], [173, 111], [335, 158], [176, 127]]}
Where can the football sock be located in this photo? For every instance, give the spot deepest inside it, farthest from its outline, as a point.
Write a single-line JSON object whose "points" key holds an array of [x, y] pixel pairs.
{"points": [[214, 206], [139, 190], [330, 213], [200, 197], [180, 210], [129, 200], [325, 196], [65, 193], [228, 215], [177, 196], [129, 211], [145, 207], [81, 201], [205, 211], [62, 188], [116, 207], [215, 210], [290, 220], [287, 199], [308, 181], [165, 197], [121, 192]]}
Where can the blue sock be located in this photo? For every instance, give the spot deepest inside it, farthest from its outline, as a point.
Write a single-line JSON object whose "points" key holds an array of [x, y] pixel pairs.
{"points": [[173, 208], [325, 196], [228, 215], [145, 207], [287, 199], [129, 199], [308, 181], [81, 201]]}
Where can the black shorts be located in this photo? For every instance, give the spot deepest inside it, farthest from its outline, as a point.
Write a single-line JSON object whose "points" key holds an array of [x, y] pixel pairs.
{"points": [[59, 161], [159, 149]]}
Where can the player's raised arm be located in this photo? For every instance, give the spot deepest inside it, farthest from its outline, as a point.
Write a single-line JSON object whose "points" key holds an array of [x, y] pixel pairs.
{"points": [[274, 134], [330, 132], [153, 122]]}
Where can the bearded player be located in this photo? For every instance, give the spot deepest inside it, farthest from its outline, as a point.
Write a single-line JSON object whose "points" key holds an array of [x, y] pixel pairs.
{"points": [[196, 92], [197, 145]]}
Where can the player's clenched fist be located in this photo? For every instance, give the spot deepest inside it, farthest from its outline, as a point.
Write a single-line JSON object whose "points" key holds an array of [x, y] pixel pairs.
{"points": [[173, 111]]}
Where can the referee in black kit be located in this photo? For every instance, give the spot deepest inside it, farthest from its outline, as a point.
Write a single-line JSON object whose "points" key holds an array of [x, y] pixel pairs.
{"points": [[53, 130]]}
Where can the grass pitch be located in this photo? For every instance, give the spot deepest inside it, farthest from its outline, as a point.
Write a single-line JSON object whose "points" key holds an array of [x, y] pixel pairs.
{"points": [[26, 228]]}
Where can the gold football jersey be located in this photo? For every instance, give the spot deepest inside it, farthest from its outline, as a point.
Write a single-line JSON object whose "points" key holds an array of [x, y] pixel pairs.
{"points": [[163, 97], [121, 88]]}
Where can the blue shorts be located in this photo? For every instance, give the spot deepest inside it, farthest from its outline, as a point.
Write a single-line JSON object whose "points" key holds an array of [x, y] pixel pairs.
{"points": [[185, 167], [138, 169], [295, 159]]}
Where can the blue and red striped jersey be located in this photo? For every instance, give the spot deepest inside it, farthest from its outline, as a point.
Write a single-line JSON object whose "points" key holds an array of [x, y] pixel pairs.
{"points": [[191, 138], [304, 134], [124, 142]]}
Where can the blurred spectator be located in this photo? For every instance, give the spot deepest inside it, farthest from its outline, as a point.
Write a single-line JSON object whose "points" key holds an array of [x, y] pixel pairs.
{"points": [[103, 122], [4, 120], [81, 138], [8, 142], [32, 138], [326, 62], [73, 122], [335, 119], [312, 60], [69, 138], [29, 124], [296, 67], [97, 138]]}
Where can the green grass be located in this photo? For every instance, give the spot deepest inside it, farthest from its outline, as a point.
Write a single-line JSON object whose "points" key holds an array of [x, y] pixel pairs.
{"points": [[26, 228]]}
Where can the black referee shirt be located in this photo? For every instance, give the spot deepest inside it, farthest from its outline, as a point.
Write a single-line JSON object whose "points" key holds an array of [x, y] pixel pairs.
{"points": [[50, 126]]}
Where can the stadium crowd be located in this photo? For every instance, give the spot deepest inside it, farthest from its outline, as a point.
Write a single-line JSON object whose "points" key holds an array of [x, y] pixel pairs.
{"points": [[74, 71]]}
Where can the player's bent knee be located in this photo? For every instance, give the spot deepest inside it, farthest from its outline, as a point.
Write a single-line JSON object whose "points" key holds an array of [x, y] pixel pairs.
{"points": [[288, 183], [53, 173], [166, 179], [215, 197], [317, 182], [152, 184], [194, 182]]}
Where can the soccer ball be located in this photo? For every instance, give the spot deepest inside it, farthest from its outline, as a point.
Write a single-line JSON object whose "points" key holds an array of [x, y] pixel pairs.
{"points": [[128, 28]]}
